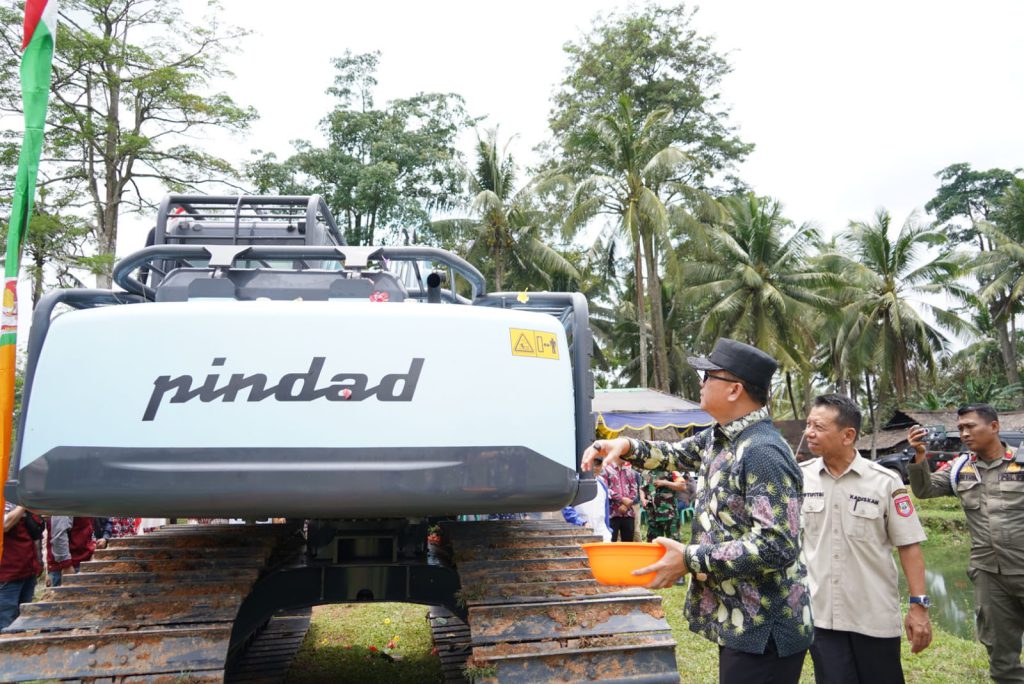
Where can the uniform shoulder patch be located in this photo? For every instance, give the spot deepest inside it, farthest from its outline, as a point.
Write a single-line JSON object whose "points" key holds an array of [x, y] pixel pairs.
{"points": [[900, 491], [904, 506]]}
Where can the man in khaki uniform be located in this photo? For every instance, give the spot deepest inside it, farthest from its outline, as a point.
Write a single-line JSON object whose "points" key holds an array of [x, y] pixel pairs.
{"points": [[989, 481], [854, 513]]}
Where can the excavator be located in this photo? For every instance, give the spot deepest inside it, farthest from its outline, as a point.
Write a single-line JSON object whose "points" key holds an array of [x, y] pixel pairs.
{"points": [[251, 365]]}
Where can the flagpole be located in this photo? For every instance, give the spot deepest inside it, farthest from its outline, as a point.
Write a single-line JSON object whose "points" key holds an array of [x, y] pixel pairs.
{"points": [[36, 71]]}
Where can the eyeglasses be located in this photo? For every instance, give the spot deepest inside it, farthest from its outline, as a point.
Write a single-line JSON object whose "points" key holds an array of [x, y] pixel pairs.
{"points": [[709, 376]]}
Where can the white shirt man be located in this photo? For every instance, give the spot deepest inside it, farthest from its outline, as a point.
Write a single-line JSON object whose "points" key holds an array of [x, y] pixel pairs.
{"points": [[854, 513]]}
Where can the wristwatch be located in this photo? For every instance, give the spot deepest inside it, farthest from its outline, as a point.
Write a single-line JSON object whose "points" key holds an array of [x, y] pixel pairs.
{"points": [[923, 600]]}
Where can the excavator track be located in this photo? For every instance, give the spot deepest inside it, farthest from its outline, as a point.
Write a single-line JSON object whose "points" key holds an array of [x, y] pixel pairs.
{"points": [[535, 613], [153, 608], [161, 607]]}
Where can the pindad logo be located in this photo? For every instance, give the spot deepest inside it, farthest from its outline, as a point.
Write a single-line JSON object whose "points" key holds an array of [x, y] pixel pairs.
{"points": [[291, 387]]}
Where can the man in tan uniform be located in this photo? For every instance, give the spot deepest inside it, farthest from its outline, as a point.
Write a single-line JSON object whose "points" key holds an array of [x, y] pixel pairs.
{"points": [[854, 513], [989, 481]]}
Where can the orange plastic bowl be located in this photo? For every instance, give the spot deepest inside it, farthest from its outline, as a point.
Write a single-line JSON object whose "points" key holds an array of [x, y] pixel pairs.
{"points": [[613, 563]]}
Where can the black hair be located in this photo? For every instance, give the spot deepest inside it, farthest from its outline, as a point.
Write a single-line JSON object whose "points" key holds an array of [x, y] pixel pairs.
{"points": [[847, 413], [987, 413], [758, 394]]}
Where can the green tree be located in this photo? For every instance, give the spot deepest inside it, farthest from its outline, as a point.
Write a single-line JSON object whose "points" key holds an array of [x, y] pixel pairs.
{"points": [[1001, 273], [627, 169], [505, 240], [383, 170], [967, 194], [655, 57], [55, 246], [752, 279], [681, 327], [882, 331], [129, 90]]}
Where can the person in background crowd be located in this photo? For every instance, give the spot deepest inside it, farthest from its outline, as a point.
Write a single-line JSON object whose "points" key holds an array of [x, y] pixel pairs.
{"points": [[20, 564], [855, 511], [989, 481], [659, 489], [105, 529], [623, 493], [70, 544], [749, 590]]}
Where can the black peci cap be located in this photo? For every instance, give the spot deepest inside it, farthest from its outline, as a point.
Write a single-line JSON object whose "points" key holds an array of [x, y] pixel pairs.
{"points": [[747, 363]]}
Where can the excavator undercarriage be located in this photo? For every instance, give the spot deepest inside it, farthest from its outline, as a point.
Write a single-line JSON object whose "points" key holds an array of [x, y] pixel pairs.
{"points": [[514, 603]]}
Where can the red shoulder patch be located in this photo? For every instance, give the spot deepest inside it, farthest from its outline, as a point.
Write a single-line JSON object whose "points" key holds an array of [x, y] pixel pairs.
{"points": [[904, 506]]}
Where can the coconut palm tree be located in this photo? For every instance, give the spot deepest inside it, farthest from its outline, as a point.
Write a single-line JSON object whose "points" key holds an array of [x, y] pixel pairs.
{"points": [[882, 331], [1001, 273], [628, 169], [752, 279], [505, 237]]}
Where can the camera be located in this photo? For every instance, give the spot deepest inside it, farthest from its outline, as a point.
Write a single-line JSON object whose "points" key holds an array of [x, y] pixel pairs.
{"points": [[935, 435]]}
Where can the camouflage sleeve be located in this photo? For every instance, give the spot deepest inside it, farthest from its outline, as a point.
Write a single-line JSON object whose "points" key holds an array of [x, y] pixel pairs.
{"points": [[925, 484], [773, 491], [656, 455]]}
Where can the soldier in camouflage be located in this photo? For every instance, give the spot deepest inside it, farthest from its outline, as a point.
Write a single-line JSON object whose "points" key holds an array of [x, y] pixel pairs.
{"points": [[662, 512]]}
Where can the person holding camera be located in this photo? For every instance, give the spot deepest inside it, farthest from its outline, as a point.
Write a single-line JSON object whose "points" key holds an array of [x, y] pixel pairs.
{"points": [[20, 564], [989, 482]]}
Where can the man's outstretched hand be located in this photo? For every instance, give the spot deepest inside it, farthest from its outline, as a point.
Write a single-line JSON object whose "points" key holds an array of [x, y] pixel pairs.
{"points": [[611, 450]]}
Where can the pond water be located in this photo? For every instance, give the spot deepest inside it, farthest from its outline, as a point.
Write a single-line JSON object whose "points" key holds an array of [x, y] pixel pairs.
{"points": [[951, 592]]}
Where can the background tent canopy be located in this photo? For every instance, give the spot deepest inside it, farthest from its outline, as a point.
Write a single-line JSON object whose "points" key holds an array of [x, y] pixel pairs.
{"points": [[640, 409]]}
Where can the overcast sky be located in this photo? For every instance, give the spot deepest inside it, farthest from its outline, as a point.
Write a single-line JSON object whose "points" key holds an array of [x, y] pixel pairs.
{"points": [[851, 106]]}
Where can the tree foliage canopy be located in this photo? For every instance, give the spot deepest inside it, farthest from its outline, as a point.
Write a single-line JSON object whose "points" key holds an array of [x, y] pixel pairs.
{"points": [[967, 194], [657, 59], [382, 170], [130, 82]]}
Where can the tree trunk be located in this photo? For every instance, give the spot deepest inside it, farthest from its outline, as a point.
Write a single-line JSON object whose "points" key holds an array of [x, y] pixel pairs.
{"points": [[1007, 351], [661, 380], [107, 240], [874, 415], [38, 264], [107, 237], [808, 396], [792, 399], [641, 322]]}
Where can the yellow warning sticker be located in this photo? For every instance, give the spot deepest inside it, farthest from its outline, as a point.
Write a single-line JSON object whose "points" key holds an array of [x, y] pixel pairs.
{"points": [[535, 343]]}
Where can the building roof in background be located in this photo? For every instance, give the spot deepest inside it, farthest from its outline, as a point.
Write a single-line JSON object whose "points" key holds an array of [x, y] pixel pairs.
{"points": [[904, 418], [885, 440], [640, 409], [894, 433]]}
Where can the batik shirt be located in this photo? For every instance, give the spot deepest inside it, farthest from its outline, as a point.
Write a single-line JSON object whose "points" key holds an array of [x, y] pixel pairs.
{"points": [[746, 534], [622, 484]]}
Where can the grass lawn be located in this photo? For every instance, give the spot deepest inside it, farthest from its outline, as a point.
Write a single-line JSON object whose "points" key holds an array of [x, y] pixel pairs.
{"points": [[341, 641]]}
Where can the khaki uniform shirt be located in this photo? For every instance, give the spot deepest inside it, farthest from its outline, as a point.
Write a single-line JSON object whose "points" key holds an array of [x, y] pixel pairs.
{"points": [[992, 495], [851, 524]]}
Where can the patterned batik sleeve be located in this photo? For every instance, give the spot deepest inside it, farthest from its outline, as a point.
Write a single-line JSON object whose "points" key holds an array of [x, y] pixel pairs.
{"points": [[657, 455], [772, 491]]}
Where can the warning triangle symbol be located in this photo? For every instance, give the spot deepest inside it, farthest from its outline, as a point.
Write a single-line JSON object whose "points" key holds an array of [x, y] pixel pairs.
{"points": [[523, 345]]}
